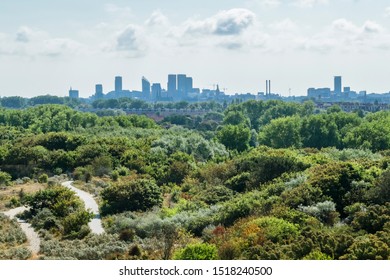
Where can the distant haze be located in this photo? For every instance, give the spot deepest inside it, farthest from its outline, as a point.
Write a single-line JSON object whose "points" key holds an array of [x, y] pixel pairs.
{"points": [[46, 47]]}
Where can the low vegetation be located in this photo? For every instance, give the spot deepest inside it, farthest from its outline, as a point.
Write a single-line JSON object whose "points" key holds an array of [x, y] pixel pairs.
{"points": [[252, 180]]}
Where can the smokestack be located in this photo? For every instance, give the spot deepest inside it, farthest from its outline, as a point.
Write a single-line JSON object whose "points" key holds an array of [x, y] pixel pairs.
{"points": [[266, 87], [269, 87]]}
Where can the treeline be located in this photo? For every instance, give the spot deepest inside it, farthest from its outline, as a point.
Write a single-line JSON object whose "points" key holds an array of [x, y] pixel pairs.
{"points": [[128, 103], [18, 102], [55, 118], [282, 125]]}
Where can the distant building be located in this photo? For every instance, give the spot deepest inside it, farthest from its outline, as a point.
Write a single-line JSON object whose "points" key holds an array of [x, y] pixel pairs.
{"points": [[189, 84], [156, 91], [73, 93], [145, 88], [99, 91], [182, 85], [337, 85], [172, 85], [118, 84], [319, 93]]}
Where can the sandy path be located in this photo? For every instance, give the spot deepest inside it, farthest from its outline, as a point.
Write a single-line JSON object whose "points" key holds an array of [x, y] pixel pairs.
{"points": [[96, 223], [32, 236]]}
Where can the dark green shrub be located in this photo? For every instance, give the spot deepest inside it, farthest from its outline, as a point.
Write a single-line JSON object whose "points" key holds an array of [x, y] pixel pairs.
{"points": [[137, 195], [43, 178]]}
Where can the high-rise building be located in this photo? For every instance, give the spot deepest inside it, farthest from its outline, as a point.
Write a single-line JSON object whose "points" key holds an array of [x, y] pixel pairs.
{"points": [[189, 84], [172, 84], [118, 84], [337, 85], [73, 93], [156, 91], [99, 91], [145, 88], [182, 85]]}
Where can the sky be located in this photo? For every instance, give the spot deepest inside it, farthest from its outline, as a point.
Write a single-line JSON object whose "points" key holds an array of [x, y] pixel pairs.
{"points": [[48, 46]]}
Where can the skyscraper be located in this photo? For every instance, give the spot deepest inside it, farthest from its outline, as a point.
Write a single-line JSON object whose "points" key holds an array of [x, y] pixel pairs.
{"points": [[99, 91], [337, 85], [189, 84], [182, 85], [172, 84], [156, 91], [145, 88], [118, 84]]}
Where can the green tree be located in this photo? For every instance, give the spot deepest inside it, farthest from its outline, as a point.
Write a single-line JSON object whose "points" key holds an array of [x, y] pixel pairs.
{"points": [[137, 195], [102, 165], [319, 131], [235, 137], [236, 118], [282, 133], [59, 200]]}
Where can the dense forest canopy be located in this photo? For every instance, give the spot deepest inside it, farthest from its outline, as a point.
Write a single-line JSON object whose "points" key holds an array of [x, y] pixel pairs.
{"points": [[252, 180]]}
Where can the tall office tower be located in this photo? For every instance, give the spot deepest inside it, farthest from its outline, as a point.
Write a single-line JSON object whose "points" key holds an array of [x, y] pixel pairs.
{"points": [[337, 85], [145, 87], [182, 85], [268, 87], [189, 84], [172, 84], [118, 84], [99, 91], [156, 91]]}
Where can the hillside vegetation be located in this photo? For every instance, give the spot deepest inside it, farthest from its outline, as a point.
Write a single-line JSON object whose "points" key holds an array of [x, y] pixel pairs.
{"points": [[260, 180]]}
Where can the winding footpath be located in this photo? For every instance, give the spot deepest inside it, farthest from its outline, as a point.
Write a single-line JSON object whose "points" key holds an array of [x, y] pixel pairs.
{"points": [[96, 223], [32, 236]]}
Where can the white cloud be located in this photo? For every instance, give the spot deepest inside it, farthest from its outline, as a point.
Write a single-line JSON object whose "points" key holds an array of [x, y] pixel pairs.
{"points": [[157, 19], [29, 42], [26, 34], [227, 22], [345, 26], [372, 27], [344, 35], [131, 42], [23, 35]]}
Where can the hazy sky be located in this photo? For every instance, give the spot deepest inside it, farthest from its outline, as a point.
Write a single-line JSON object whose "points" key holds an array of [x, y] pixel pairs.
{"points": [[47, 46]]}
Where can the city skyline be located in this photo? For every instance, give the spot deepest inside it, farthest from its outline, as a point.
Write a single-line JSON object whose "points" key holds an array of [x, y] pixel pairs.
{"points": [[46, 47]]}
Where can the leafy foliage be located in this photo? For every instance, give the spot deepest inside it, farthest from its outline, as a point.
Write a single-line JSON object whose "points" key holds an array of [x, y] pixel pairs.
{"points": [[201, 251], [200, 187], [137, 195]]}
